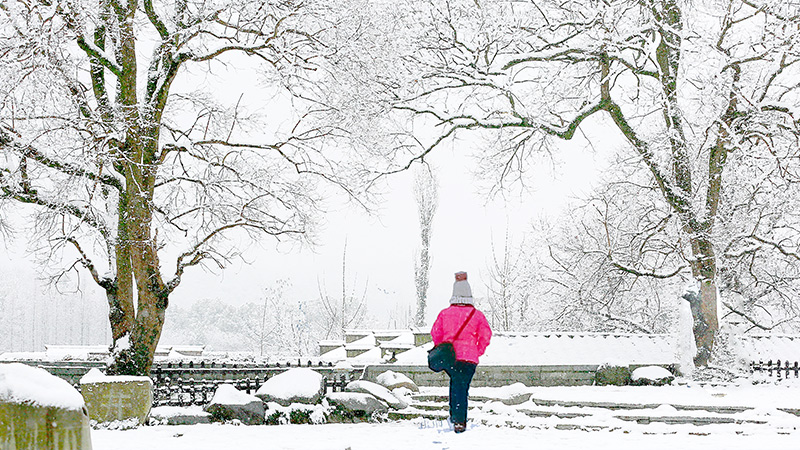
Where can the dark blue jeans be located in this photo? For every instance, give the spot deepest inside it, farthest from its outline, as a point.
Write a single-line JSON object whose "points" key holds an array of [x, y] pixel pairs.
{"points": [[460, 378]]}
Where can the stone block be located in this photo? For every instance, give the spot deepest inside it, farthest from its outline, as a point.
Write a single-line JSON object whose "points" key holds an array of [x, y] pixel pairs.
{"points": [[392, 380], [363, 405], [249, 413], [231, 404], [422, 338], [40, 411], [43, 428], [299, 385], [377, 391], [110, 398], [177, 415]]}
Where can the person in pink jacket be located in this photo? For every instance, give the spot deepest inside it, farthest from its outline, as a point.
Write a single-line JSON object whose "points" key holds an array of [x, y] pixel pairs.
{"points": [[469, 345]]}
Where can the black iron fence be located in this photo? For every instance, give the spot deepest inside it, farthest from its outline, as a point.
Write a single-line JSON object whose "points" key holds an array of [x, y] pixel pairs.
{"points": [[778, 369], [186, 392], [213, 370], [185, 383]]}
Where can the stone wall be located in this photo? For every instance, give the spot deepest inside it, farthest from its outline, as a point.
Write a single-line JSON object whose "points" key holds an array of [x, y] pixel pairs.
{"points": [[495, 376]]}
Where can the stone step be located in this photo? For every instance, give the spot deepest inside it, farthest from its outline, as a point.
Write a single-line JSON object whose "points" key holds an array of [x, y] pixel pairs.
{"points": [[686, 420], [628, 406], [431, 398], [446, 398], [559, 414], [408, 414], [429, 406], [435, 407]]}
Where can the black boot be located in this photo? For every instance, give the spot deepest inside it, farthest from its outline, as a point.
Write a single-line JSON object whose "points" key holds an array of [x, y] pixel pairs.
{"points": [[460, 427]]}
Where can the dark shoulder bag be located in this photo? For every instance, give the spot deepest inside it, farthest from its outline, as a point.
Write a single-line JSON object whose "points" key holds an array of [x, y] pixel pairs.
{"points": [[443, 356]]}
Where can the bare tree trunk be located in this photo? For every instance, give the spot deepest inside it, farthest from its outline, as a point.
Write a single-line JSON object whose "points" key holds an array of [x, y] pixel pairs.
{"points": [[706, 322], [427, 198]]}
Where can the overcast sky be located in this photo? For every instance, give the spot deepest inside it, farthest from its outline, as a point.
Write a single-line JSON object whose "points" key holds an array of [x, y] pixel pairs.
{"points": [[380, 247]]}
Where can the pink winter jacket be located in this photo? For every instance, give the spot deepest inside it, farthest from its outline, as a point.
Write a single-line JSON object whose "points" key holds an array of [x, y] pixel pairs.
{"points": [[472, 342]]}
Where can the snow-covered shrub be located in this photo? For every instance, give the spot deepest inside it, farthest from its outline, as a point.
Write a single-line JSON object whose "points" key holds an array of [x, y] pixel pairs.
{"points": [[297, 413], [612, 375]]}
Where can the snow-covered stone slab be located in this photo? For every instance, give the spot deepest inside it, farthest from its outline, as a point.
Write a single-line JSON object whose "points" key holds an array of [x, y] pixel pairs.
{"points": [[513, 394], [230, 403], [392, 380], [377, 391], [40, 411], [684, 420], [118, 397], [179, 415], [298, 385]]}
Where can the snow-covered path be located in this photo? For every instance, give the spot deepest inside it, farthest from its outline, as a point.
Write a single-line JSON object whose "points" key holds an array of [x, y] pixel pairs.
{"points": [[429, 435]]}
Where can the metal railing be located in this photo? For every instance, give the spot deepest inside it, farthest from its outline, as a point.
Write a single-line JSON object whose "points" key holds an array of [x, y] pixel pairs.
{"points": [[780, 370], [186, 392]]}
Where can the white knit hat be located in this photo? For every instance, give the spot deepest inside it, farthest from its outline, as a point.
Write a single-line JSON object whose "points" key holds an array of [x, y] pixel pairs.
{"points": [[462, 293]]}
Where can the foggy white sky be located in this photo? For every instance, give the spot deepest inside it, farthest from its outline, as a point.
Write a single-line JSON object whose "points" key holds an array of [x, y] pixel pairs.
{"points": [[380, 248]]}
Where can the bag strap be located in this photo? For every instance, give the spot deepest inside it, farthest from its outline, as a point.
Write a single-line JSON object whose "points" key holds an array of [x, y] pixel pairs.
{"points": [[463, 325]]}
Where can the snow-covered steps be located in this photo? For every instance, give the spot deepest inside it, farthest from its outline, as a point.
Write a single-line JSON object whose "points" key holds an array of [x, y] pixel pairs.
{"points": [[439, 398], [411, 413], [662, 410], [631, 406], [686, 420], [558, 414], [432, 406]]}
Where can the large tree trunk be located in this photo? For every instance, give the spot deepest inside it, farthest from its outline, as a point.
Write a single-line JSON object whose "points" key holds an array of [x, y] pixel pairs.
{"points": [[140, 259], [698, 226], [706, 323], [121, 314], [137, 358]]}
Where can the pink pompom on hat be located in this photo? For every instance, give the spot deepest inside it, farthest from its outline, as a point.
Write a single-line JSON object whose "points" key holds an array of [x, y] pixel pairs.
{"points": [[462, 293]]}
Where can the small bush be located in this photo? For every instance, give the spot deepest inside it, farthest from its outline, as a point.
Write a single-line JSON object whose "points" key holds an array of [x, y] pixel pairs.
{"points": [[300, 416], [342, 415], [297, 414], [277, 418], [612, 375]]}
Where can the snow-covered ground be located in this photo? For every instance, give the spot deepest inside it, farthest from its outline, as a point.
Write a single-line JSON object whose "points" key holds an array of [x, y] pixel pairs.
{"points": [[555, 418], [424, 434]]}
